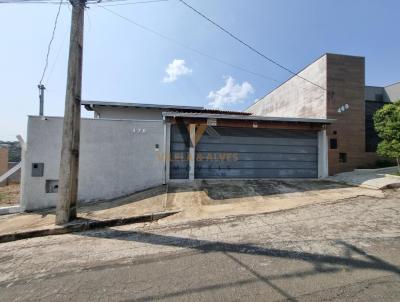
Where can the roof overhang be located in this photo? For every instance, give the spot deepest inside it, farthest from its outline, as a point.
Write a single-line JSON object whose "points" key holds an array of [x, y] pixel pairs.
{"points": [[89, 105], [253, 121]]}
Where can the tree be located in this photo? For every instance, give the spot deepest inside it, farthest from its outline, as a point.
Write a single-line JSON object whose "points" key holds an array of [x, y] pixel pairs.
{"points": [[387, 125]]}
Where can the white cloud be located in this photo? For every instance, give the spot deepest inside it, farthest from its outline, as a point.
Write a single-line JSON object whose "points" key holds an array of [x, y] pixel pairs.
{"points": [[231, 93], [176, 69]]}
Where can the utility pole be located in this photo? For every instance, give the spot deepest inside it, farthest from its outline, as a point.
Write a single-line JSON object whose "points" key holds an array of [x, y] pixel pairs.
{"points": [[69, 164], [41, 98]]}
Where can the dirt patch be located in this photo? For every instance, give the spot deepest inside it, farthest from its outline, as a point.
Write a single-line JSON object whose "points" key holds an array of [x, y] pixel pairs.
{"points": [[9, 195]]}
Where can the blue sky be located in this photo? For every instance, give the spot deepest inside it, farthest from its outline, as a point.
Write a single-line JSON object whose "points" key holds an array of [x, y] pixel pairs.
{"points": [[122, 62]]}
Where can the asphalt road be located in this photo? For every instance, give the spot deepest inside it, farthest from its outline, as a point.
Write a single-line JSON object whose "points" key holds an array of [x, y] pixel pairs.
{"points": [[344, 251]]}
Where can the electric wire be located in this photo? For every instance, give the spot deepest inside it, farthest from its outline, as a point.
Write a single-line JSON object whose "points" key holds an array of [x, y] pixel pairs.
{"points": [[186, 46], [50, 43], [248, 45], [88, 2]]}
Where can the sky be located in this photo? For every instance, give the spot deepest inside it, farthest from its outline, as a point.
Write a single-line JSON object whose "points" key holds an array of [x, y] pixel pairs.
{"points": [[125, 63]]}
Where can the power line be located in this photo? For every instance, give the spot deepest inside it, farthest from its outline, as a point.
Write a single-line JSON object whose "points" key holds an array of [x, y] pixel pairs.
{"points": [[50, 42], [248, 45], [89, 2], [186, 46], [131, 3], [136, 2]]}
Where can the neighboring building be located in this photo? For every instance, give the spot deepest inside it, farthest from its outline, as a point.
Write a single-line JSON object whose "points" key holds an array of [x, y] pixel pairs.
{"points": [[376, 98], [15, 178], [342, 96], [3, 163]]}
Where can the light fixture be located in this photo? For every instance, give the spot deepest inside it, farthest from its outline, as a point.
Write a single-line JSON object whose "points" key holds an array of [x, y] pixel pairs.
{"points": [[343, 108]]}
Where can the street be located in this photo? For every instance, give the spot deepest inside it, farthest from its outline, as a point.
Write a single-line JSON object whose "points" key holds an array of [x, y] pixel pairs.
{"points": [[343, 251]]}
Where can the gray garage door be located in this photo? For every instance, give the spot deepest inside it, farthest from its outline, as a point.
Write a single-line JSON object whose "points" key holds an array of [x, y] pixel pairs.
{"points": [[256, 153], [179, 150]]}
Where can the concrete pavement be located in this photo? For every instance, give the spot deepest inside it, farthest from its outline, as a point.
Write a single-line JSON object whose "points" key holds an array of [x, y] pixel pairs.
{"points": [[343, 251], [377, 179], [196, 200]]}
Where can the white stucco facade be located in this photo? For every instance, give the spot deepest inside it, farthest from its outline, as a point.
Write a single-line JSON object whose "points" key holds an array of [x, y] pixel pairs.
{"points": [[117, 157]]}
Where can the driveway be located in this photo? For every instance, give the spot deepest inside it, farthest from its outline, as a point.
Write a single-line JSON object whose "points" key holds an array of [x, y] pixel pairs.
{"points": [[200, 200], [342, 251], [205, 199]]}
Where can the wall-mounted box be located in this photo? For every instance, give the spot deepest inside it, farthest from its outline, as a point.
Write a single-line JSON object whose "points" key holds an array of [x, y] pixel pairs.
{"points": [[51, 185], [37, 169]]}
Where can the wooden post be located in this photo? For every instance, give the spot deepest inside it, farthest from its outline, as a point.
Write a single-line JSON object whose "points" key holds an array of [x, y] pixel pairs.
{"points": [[69, 164], [192, 150]]}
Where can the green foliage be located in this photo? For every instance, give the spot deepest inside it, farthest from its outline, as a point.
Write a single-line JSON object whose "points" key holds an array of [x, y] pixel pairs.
{"points": [[387, 125], [389, 148]]}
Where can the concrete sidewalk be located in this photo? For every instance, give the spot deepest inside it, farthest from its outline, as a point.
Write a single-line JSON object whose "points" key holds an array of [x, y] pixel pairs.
{"points": [[141, 207], [370, 178]]}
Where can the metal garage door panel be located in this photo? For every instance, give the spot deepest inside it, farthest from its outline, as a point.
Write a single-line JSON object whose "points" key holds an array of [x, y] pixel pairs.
{"points": [[265, 156], [255, 148], [179, 151], [253, 164], [257, 153], [261, 140], [256, 173]]}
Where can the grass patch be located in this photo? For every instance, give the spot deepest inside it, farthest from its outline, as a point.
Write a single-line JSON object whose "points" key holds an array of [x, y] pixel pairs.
{"points": [[9, 195]]}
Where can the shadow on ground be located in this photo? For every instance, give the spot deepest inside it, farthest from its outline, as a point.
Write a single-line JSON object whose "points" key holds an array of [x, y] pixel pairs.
{"points": [[322, 263]]}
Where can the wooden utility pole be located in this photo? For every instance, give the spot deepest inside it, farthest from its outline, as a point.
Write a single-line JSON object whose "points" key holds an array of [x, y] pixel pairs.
{"points": [[69, 165]]}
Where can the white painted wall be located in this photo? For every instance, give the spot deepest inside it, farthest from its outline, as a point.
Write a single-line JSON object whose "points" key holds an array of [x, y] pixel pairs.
{"points": [[297, 97], [393, 92], [323, 170], [114, 161], [129, 113]]}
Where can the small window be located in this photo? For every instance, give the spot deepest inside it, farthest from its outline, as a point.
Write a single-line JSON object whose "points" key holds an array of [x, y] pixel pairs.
{"points": [[333, 143], [334, 132], [343, 157]]}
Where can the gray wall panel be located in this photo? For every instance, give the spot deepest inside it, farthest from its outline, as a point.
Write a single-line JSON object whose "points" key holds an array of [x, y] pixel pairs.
{"points": [[179, 150]]}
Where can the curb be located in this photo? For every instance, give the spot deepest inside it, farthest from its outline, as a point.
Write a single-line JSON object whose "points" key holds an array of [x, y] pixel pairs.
{"points": [[10, 210], [84, 225]]}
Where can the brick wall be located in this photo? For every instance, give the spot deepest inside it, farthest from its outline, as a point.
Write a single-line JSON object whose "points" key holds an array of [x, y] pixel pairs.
{"points": [[3, 163], [345, 83], [344, 78]]}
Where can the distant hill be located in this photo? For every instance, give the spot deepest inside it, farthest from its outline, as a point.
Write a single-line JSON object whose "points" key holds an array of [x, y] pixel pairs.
{"points": [[14, 151]]}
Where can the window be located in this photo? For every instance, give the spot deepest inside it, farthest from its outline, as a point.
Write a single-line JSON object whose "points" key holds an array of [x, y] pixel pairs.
{"points": [[343, 157], [333, 143], [371, 137]]}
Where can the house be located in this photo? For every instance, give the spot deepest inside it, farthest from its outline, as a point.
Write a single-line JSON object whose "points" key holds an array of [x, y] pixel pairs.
{"points": [[337, 92], [128, 147], [302, 129]]}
